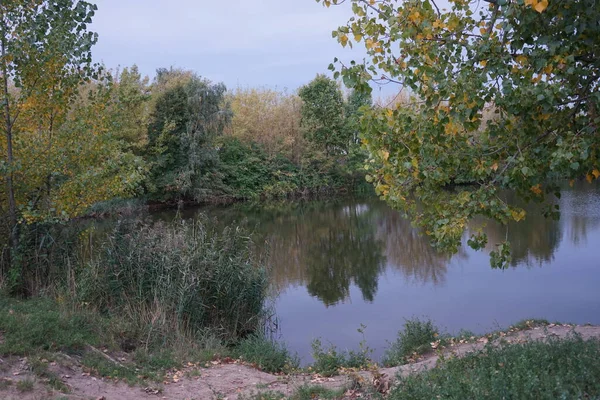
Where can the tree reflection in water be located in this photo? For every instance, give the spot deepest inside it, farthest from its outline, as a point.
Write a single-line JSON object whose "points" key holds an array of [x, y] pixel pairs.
{"points": [[329, 246]]}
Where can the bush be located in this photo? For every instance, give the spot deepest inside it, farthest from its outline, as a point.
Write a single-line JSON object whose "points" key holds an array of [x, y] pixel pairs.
{"points": [[557, 369], [267, 354], [415, 338], [177, 279]]}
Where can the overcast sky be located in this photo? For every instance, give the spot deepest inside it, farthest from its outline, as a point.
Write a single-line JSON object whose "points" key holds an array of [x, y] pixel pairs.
{"points": [[282, 43]]}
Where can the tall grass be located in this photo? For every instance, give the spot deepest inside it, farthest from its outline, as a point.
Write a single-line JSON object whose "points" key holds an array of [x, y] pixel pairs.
{"points": [[177, 279]]}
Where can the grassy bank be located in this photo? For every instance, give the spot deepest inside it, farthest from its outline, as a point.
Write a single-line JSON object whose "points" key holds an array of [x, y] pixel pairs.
{"points": [[49, 331]]}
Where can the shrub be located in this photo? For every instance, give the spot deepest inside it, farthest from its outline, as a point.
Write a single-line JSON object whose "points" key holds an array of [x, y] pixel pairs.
{"points": [[556, 369], [415, 338], [176, 279], [267, 354]]}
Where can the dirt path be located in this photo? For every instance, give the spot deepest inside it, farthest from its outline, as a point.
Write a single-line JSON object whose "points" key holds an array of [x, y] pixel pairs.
{"points": [[234, 380]]}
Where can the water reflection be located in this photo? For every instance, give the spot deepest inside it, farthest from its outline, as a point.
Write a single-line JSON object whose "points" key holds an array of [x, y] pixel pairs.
{"points": [[330, 246]]}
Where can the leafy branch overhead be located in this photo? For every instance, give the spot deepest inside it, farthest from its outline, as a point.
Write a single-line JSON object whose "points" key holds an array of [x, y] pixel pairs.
{"points": [[498, 95]]}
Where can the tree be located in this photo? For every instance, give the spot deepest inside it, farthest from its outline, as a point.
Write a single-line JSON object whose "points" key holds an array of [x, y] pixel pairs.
{"points": [[534, 65], [323, 115], [268, 117], [132, 107], [188, 114], [354, 110], [45, 53]]}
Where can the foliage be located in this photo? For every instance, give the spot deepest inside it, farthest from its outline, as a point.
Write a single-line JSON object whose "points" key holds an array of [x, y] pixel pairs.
{"points": [[416, 338], [356, 104], [177, 279], [323, 115], [132, 108], [269, 118], [532, 64], [45, 57], [553, 369], [85, 161], [186, 119], [266, 354], [249, 172]]}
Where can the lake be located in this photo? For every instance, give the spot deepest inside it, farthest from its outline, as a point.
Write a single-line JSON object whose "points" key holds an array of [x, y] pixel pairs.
{"points": [[337, 264]]}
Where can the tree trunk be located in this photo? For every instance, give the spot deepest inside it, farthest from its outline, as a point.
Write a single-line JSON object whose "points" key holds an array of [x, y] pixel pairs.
{"points": [[13, 239]]}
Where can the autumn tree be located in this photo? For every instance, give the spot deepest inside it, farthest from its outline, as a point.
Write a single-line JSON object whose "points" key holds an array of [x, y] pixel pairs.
{"points": [[45, 51], [534, 63], [268, 117], [61, 153], [323, 115]]}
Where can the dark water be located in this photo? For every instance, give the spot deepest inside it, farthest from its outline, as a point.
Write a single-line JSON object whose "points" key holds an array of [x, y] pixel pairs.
{"points": [[339, 264]]}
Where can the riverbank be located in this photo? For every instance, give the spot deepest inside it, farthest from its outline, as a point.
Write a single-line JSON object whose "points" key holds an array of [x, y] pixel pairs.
{"points": [[47, 353]]}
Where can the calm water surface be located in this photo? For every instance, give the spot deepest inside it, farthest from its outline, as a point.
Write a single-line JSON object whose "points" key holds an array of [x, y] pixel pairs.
{"points": [[339, 264]]}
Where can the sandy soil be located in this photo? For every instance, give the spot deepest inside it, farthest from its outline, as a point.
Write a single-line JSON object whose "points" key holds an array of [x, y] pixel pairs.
{"points": [[234, 380]]}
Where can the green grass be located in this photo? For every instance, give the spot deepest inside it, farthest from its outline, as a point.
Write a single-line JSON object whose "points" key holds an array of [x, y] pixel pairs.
{"points": [[558, 369], [267, 354], [34, 325], [415, 338]]}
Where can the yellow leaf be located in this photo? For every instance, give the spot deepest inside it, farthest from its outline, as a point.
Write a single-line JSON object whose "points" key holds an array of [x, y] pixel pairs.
{"points": [[571, 182], [344, 40], [482, 30], [357, 37], [589, 178], [483, 63], [596, 173], [518, 216], [541, 6], [495, 167], [537, 189], [385, 155]]}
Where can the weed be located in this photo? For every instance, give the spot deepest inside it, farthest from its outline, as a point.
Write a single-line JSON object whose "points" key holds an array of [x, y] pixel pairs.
{"points": [[530, 323], [416, 338], [26, 385], [105, 368], [310, 392], [40, 369], [267, 354], [5, 383], [567, 368]]}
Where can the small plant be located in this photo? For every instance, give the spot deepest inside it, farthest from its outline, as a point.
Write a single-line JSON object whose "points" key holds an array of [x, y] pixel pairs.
{"points": [[26, 385], [329, 361], [416, 338], [267, 354]]}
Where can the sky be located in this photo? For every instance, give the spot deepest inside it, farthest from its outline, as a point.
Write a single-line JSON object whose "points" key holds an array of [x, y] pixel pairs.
{"points": [[270, 43]]}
